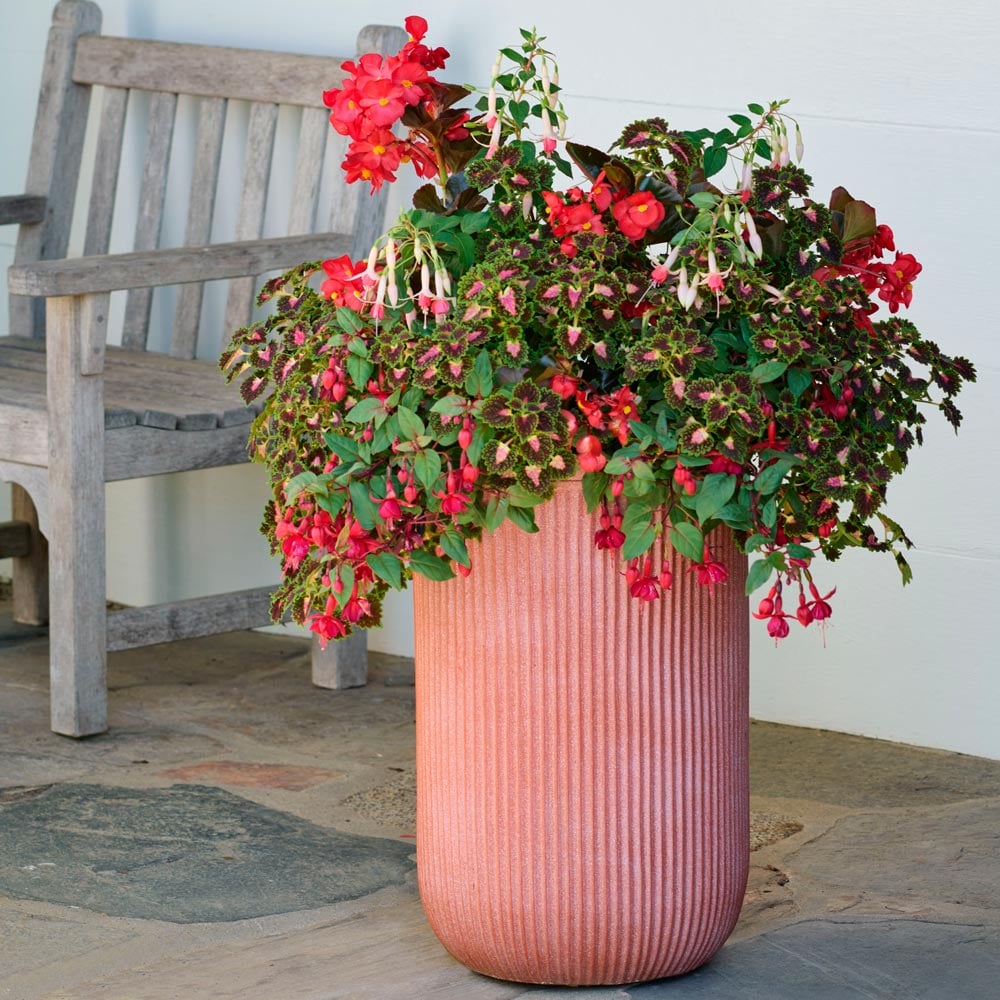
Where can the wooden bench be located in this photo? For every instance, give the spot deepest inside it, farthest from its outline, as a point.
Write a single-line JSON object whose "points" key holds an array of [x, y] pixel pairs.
{"points": [[77, 412]]}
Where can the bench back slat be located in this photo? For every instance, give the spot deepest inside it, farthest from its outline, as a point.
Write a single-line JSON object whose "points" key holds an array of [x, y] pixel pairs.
{"points": [[106, 163], [205, 70], [204, 180], [162, 112]]}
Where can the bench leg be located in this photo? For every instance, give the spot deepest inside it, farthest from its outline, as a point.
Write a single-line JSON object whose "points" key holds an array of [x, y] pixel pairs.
{"points": [[30, 572], [343, 664], [77, 583]]}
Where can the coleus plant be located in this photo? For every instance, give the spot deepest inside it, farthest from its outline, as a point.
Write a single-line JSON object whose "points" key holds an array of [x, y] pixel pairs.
{"points": [[685, 328]]}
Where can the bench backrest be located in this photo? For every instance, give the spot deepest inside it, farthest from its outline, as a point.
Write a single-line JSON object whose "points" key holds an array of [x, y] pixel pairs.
{"points": [[122, 80]]}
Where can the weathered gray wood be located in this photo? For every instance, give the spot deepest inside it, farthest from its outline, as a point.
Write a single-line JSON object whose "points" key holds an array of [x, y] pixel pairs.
{"points": [[313, 131], [106, 163], [342, 664], [146, 386], [174, 266], [21, 208], [34, 480], [23, 394], [253, 200], [147, 227], [134, 452], [207, 70], [243, 609], [30, 569], [15, 538], [204, 180], [25, 435], [56, 149], [77, 641]]}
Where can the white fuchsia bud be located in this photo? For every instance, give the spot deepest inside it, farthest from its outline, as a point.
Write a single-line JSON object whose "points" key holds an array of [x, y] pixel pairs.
{"points": [[526, 206], [494, 141], [799, 146], [390, 253]]}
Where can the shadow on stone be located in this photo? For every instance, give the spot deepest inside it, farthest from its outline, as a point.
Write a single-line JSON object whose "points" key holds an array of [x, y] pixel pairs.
{"points": [[185, 854]]}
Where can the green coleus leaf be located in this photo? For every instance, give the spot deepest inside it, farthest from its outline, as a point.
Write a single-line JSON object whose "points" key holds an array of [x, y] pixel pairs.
{"points": [[430, 566], [713, 494], [688, 540], [386, 567]]}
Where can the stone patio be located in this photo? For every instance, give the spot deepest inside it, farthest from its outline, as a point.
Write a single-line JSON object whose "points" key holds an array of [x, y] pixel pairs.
{"points": [[241, 834]]}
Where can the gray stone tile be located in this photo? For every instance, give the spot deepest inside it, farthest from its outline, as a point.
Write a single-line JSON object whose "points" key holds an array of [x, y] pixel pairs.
{"points": [[183, 854], [786, 761], [949, 854], [836, 960]]}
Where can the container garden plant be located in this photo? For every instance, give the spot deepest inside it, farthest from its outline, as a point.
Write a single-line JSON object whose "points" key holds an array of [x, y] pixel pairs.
{"points": [[597, 402]]}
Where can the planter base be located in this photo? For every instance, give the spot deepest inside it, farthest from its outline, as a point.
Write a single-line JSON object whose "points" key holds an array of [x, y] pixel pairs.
{"points": [[582, 775]]}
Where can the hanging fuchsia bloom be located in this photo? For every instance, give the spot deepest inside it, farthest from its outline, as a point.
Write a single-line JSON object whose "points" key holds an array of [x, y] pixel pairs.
{"points": [[709, 571]]}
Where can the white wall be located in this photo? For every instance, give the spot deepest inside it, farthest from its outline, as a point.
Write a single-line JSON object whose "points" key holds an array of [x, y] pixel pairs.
{"points": [[898, 101]]}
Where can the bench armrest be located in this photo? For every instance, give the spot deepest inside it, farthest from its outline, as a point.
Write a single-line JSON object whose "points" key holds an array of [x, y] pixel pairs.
{"points": [[18, 208], [180, 266]]}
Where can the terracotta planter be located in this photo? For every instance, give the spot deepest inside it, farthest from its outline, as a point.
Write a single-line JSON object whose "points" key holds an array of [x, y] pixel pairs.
{"points": [[582, 779]]}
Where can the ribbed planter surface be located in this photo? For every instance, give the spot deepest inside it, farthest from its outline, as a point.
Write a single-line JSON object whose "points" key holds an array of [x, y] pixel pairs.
{"points": [[582, 775]]}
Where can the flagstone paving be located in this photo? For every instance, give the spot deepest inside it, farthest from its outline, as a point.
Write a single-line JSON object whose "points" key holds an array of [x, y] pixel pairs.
{"points": [[241, 834]]}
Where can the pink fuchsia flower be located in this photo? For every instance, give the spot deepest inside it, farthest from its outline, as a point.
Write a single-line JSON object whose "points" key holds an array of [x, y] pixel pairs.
{"points": [[638, 214]]}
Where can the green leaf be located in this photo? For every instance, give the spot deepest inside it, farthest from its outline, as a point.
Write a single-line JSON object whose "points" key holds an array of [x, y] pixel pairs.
{"points": [[474, 222], [345, 574], [480, 380], [303, 482], [904, 567], [343, 447], [742, 119], [769, 479], [496, 512], [769, 371], [520, 497], [703, 199], [361, 504], [755, 109], [430, 566], [348, 320], [386, 567], [476, 445], [513, 55], [360, 369], [523, 517], [410, 425], [595, 485], [797, 551], [427, 468], [688, 541], [714, 493], [760, 572], [638, 540], [454, 544], [364, 410], [799, 379], [636, 513], [449, 406], [715, 159], [769, 514]]}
